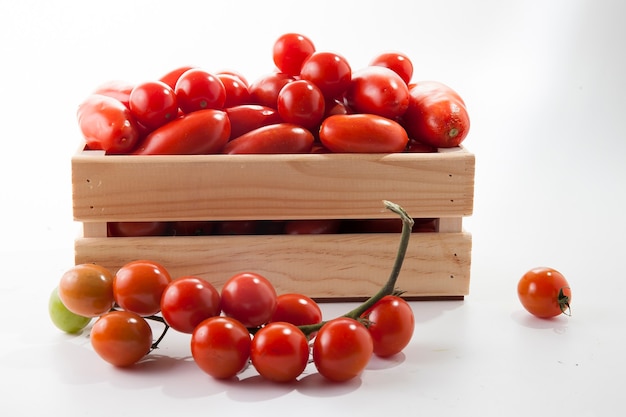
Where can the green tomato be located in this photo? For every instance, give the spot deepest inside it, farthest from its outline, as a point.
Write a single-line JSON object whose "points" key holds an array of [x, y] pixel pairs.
{"points": [[63, 318]]}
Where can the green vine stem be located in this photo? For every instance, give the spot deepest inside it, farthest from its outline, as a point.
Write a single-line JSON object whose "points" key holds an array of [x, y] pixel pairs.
{"points": [[389, 287]]}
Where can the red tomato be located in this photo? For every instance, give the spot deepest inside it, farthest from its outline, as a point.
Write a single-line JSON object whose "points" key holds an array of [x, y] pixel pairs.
{"points": [[192, 228], [87, 290], [333, 107], [153, 103], [396, 61], [197, 89], [362, 133], [235, 74], [312, 227], [249, 298], [279, 352], [121, 338], [544, 292], [119, 90], [330, 72], [297, 309], [264, 91], [378, 90], [436, 115], [290, 51], [196, 133], [107, 124], [236, 90], [134, 229], [302, 103], [391, 325], [187, 301], [139, 285], [280, 138], [235, 227], [247, 117], [342, 349], [220, 346], [172, 77], [418, 147]]}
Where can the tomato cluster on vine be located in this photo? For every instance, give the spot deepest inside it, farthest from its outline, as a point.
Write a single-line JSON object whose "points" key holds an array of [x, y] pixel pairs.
{"points": [[312, 102], [247, 322]]}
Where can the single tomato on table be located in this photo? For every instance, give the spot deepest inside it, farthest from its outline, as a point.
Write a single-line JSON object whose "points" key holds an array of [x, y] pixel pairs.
{"points": [[544, 292]]}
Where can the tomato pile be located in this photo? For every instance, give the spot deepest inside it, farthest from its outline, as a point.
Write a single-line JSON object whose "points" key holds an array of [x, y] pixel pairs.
{"points": [[312, 102], [247, 322]]}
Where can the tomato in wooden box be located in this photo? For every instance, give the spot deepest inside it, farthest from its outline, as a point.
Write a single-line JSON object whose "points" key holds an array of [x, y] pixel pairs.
{"points": [[109, 188]]}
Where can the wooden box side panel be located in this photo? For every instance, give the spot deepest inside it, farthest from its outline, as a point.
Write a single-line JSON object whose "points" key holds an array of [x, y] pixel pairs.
{"points": [[220, 187], [320, 266]]}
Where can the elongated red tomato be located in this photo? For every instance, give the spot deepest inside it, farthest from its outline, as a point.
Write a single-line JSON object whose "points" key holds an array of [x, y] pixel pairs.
{"points": [[107, 124], [117, 89], [364, 133], [273, 139], [436, 115], [197, 133], [247, 117], [264, 90]]}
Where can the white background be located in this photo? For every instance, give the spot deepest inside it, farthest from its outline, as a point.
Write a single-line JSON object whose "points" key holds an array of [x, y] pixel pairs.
{"points": [[545, 85]]}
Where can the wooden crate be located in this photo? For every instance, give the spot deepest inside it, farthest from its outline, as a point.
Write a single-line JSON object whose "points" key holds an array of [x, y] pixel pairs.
{"points": [[272, 187]]}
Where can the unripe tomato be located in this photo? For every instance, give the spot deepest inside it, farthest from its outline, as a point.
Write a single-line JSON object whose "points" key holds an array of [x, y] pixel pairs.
{"points": [[87, 290]]}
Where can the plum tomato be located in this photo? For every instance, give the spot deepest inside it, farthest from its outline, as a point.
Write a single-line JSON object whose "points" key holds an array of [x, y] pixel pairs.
{"points": [[192, 228], [117, 89], [290, 51], [220, 346], [153, 104], [187, 301], [544, 292], [130, 229], [312, 226], [249, 298], [247, 117], [107, 124], [264, 90], [279, 352], [280, 138], [362, 133], [138, 286], [329, 71], [63, 318], [377, 90], [172, 76], [391, 324], [236, 90], [297, 309], [398, 62], [87, 290], [197, 89], [121, 338], [302, 103], [342, 349]]}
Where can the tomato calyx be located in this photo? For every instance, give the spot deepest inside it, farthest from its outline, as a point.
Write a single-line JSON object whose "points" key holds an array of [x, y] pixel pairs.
{"points": [[563, 301]]}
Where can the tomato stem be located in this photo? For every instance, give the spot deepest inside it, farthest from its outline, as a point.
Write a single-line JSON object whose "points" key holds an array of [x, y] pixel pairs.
{"points": [[564, 303], [389, 287]]}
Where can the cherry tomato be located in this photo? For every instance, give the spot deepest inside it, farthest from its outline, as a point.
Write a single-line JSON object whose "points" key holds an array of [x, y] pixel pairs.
{"points": [[134, 229], [362, 133], [117, 89], [329, 71], [172, 77], [249, 298], [121, 338], [107, 124], [312, 227], [247, 117], [302, 103], [418, 147], [280, 138], [544, 292], [279, 352], [342, 349], [220, 346], [297, 309], [378, 90], [197, 89], [139, 285], [236, 90], [197, 133], [290, 51], [398, 62], [187, 301], [264, 91], [391, 325], [153, 103], [436, 116], [87, 290]]}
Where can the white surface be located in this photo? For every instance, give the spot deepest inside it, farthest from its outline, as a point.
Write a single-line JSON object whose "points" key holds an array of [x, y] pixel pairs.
{"points": [[545, 85]]}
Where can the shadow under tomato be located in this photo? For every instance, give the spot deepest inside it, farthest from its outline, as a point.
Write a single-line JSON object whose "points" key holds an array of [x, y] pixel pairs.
{"points": [[315, 385], [377, 363], [256, 388], [557, 324]]}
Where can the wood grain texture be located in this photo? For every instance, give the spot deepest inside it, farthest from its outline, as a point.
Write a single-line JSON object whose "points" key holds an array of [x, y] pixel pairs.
{"points": [[321, 266], [219, 187]]}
